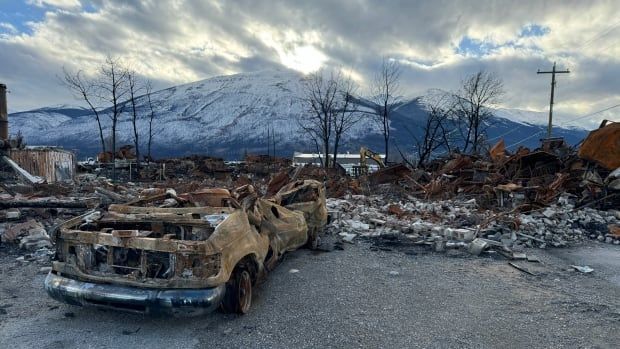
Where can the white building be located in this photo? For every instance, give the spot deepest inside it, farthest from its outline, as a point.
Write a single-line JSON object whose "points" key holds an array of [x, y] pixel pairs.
{"points": [[348, 161]]}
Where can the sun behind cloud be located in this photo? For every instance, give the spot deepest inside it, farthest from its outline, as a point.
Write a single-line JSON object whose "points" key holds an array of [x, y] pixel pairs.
{"points": [[305, 59]]}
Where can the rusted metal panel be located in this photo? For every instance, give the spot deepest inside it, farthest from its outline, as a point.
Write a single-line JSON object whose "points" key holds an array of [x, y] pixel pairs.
{"points": [[603, 146], [216, 197], [498, 152], [55, 165], [389, 174]]}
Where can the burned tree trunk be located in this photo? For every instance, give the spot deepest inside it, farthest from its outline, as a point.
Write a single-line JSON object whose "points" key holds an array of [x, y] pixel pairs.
{"points": [[321, 93], [113, 88], [346, 115], [131, 78], [385, 94], [478, 93], [149, 89], [85, 89]]}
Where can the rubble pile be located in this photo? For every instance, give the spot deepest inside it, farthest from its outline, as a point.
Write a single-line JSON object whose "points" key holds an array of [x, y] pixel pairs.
{"points": [[552, 196], [27, 229], [458, 223], [192, 167], [559, 225], [337, 182], [262, 165], [529, 179], [524, 180]]}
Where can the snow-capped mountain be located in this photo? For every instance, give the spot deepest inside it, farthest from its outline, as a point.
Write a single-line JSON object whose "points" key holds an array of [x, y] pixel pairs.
{"points": [[230, 115]]}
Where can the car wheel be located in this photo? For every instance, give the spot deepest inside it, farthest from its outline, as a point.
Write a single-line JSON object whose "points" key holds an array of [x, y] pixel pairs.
{"points": [[313, 240], [238, 297], [313, 243]]}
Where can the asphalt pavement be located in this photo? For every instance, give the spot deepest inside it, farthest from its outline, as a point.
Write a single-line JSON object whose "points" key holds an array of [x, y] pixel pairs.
{"points": [[357, 298]]}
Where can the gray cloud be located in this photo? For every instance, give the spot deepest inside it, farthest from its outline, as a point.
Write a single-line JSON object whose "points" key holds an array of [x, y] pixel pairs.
{"points": [[182, 41]]}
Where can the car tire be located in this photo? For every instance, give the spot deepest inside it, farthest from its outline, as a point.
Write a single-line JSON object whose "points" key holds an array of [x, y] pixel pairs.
{"points": [[238, 297], [313, 240]]}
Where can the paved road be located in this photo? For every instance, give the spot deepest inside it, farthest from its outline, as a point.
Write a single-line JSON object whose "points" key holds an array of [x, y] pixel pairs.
{"points": [[352, 298], [603, 258]]}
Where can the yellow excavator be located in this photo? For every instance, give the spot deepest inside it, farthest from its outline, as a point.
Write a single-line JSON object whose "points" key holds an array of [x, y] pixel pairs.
{"points": [[366, 153]]}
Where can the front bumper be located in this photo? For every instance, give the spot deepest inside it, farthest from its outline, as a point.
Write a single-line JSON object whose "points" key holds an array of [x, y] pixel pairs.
{"points": [[177, 302]]}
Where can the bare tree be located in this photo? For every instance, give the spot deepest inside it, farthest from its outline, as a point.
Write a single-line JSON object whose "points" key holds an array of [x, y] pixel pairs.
{"points": [[347, 113], [332, 112], [133, 90], [112, 88], [436, 131], [385, 91], [84, 88], [148, 89], [321, 97], [479, 92]]}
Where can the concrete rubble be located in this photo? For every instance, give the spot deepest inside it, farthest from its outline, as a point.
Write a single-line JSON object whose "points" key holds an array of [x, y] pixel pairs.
{"points": [[462, 224]]}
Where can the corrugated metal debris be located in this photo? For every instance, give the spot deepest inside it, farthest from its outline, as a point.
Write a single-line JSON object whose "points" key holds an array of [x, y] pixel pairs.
{"points": [[52, 164]]}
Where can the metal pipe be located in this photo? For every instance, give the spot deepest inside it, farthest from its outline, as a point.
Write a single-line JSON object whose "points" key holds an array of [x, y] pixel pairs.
{"points": [[4, 115]]}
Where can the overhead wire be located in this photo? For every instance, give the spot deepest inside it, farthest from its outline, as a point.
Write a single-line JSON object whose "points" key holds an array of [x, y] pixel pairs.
{"points": [[569, 121], [599, 35]]}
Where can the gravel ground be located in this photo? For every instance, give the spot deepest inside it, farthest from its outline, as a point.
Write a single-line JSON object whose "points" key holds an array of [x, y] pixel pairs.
{"points": [[359, 297]]}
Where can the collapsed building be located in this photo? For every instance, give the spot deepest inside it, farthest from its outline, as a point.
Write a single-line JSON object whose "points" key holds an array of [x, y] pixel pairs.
{"points": [[501, 202], [35, 165], [52, 164]]}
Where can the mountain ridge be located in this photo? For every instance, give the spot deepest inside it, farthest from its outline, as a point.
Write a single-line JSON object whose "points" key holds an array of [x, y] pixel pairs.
{"points": [[230, 115]]}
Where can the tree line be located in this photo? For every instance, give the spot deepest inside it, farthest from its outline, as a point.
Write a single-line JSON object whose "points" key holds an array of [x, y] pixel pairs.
{"points": [[111, 91], [455, 121]]}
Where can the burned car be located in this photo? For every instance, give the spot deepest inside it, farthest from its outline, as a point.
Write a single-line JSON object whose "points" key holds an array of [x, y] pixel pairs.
{"points": [[183, 260]]}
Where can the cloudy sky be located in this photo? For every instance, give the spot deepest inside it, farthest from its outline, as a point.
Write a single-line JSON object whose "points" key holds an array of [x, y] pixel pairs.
{"points": [[437, 42]]}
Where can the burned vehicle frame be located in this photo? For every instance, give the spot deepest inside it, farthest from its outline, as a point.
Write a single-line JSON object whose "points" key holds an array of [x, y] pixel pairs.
{"points": [[183, 260]]}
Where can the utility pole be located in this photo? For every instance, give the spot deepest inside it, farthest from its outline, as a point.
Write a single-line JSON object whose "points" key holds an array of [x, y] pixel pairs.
{"points": [[4, 116], [552, 72], [268, 144], [273, 140]]}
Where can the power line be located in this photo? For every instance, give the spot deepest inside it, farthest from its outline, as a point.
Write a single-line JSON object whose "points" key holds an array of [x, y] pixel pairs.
{"points": [[575, 119], [507, 133], [599, 35], [594, 113], [525, 139], [593, 38]]}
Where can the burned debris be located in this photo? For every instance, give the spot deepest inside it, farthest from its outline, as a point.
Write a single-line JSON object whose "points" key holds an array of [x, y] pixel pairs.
{"points": [[500, 202], [209, 230], [187, 235]]}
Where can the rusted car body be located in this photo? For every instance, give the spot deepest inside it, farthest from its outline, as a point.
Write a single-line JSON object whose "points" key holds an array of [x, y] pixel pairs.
{"points": [[307, 197], [183, 260]]}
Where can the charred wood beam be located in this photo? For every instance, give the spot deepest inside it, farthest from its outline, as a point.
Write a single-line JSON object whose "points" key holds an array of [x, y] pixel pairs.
{"points": [[7, 189], [43, 204], [114, 197]]}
